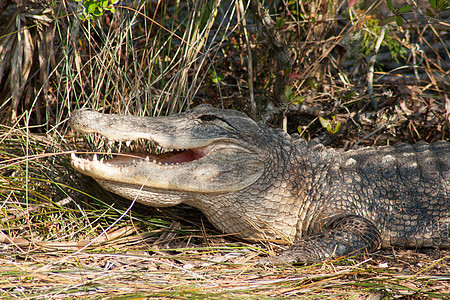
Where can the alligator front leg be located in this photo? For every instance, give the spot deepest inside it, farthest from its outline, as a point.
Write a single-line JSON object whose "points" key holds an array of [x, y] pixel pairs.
{"points": [[343, 235]]}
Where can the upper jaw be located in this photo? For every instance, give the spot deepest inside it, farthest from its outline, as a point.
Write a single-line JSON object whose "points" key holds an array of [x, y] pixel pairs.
{"points": [[133, 153], [146, 153], [159, 139], [168, 132]]}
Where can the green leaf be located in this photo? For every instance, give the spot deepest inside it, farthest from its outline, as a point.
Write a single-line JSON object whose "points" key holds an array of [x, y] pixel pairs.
{"points": [[430, 13], [98, 12], [389, 4], [350, 95], [216, 78], [338, 126], [288, 93], [405, 9], [399, 20], [298, 100], [433, 3], [311, 83], [443, 4], [280, 23], [92, 8], [325, 123], [386, 21]]}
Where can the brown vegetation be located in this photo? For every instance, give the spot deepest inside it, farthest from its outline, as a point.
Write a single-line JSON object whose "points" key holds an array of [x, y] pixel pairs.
{"points": [[320, 68]]}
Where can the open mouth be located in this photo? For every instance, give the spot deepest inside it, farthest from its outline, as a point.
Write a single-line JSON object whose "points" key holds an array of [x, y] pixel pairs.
{"points": [[121, 154], [206, 166]]}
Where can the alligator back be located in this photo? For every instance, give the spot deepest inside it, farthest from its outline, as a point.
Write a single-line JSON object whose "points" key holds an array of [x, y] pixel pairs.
{"points": [[403, 189]]}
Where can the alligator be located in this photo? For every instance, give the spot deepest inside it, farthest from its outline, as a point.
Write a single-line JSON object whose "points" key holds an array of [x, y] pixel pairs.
{"points": [[261, 184]]}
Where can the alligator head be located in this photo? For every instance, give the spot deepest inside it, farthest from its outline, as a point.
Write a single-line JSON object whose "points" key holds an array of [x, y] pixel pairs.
{"points": [[200, 151], [219, 161]]}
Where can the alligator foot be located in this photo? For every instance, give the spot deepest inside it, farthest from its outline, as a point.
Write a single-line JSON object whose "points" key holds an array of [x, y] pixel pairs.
{"points": [[343, 235]]}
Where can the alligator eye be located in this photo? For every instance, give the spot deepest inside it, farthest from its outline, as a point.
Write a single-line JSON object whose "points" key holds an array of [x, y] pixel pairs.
{"points": [[208, 118], [218, 121]]}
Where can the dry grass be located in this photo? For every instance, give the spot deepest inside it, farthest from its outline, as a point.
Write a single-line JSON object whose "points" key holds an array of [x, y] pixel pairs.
{"points": [[116, 269], [61, 236]]}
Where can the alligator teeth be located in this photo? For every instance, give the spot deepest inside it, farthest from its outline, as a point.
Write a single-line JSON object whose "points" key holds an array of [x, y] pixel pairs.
{"points": [[110, 143], [101, 160], [128, 143], [95, 158], [147, 159], [73, 155]]}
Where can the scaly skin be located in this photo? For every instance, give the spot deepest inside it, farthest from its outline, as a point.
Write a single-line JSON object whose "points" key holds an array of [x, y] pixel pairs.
{"points": [[259, 183]]}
